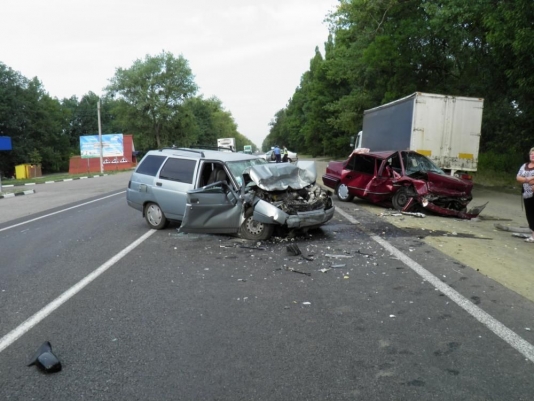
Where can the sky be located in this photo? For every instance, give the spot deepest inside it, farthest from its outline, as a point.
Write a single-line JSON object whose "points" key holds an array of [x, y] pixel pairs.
{"points": [[250, 54]]}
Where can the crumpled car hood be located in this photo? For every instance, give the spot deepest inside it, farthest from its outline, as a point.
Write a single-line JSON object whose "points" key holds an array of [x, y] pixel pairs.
{"points": [[281, 176]]}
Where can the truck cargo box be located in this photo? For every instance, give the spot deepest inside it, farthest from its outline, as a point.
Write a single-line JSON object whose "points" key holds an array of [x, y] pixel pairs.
{"points": [[445, 128]]}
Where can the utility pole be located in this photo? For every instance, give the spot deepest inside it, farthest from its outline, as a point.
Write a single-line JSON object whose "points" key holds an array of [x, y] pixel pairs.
{"points": [[100, 139]]}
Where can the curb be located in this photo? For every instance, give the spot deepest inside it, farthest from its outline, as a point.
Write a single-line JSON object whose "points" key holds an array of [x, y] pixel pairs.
{"points": [[31, 191], [52, 182]]}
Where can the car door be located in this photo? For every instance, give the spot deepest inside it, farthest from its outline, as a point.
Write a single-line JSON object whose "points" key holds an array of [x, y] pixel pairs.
{"points": [[171, 185], [214, 209], [358, 173]]}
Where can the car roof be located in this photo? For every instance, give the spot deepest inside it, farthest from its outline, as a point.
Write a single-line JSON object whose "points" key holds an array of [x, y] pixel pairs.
{"points": [[387, 153], [204, 154]]}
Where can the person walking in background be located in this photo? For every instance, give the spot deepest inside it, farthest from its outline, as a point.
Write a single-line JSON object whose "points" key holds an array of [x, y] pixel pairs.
{"points": [[525, 176], [276, 152], [284, 154]]}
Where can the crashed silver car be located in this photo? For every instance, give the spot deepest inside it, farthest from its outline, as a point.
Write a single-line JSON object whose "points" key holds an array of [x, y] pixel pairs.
{"points": [[221, 192]]}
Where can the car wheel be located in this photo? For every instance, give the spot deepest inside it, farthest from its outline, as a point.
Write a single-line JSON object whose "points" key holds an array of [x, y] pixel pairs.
{"points": [[401, 198], [342, 192], [252, 229], [155, 217]]}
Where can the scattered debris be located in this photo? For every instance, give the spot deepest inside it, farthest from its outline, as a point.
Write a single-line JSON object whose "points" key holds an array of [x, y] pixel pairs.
{"points": [[294, 250], [324, 270], [259, 248], [297, 271], [521, 235], [45, 359], [337, 266], [328, 255], [306, 303], [415, 214], [524, 230]]}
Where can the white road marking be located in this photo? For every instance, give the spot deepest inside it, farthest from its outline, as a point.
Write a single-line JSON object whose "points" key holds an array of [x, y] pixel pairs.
{"points": [[512, 338], [29, 323], [59, 211]]}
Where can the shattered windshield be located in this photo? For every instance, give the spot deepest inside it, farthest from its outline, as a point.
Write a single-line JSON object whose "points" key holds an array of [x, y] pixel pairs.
{"points": [[237, 167], [416, 163]]}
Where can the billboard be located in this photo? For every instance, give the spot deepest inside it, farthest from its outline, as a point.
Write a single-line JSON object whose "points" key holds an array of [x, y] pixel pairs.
{"points": [[112, 146], [5, 143]]}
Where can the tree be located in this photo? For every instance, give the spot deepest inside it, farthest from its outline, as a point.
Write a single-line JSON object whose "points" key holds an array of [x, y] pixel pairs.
{"points": [[150, 94]]}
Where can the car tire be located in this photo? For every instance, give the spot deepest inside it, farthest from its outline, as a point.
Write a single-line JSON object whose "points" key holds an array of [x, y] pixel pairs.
{"points": [[401, 198], [254, 230], [342, 192], [154, 216]]}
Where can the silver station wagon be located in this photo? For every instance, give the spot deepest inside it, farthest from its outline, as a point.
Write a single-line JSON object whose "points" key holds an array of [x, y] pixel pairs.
{"points": [[221, 192]]}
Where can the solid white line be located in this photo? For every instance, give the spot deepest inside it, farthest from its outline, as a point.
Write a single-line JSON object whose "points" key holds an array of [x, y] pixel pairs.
{"points": [[29, 323], [59, 211], [512, 338]]}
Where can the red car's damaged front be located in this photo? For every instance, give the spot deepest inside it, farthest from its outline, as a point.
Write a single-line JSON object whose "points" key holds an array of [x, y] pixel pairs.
{"points": [[405, 180]]}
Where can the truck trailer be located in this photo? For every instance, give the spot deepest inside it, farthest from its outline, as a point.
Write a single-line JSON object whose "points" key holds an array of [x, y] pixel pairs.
{"points": [[226, 144], [444, 128]]}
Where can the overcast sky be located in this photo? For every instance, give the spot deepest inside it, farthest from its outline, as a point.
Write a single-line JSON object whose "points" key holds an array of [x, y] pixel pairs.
{"points": [[248, 53]]}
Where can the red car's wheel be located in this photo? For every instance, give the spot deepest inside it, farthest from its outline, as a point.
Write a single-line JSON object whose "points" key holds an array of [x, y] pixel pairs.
{"points": [[342, 192], [401, 198]]}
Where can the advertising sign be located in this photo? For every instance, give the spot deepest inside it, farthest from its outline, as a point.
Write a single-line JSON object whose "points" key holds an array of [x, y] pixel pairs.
{"points": [[5, 143], [112, 146]]}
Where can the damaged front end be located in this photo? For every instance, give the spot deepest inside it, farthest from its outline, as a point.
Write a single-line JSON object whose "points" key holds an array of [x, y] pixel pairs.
{"points": [[442, 201], [286, 195]]}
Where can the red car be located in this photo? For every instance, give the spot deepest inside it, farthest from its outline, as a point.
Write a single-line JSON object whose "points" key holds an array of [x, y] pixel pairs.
{"points": [[406, 180]]}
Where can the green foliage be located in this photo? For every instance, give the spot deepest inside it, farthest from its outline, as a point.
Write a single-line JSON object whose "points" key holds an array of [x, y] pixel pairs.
{"points": [[150, 94], [507, 162], [381, 50]]}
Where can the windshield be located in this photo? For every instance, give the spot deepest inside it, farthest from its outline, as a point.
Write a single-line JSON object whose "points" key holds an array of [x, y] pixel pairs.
{"points": [[237, 167], [416, 163]]}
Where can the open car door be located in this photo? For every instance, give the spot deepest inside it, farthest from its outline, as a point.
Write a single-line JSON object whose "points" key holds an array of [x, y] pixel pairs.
{"points": [[213, 209]]}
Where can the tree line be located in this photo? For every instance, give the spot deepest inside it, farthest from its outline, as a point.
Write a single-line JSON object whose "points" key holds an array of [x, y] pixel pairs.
{"points": [[155, 100], [382, 50]]}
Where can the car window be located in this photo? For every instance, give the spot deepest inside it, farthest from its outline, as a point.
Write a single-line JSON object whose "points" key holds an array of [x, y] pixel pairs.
{"points": [[238, 167], [176, 169], [150, 165], [364, 164]]}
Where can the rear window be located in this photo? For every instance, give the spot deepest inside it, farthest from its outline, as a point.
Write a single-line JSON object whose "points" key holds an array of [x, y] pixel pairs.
{"points": [[363, 164], [180, 170], [150, 165]]}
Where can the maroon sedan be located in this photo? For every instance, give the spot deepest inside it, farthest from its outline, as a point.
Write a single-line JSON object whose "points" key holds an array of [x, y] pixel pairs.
{"points": [[406, 180]]}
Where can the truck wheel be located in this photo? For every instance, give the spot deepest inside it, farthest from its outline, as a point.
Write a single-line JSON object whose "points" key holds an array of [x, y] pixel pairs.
{"points": [[254, 230], [401, 198], [342, 192], [154, 216]]}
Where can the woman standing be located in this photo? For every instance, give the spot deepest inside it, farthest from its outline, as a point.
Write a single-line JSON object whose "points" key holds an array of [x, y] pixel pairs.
{"points": [[525, 176]]}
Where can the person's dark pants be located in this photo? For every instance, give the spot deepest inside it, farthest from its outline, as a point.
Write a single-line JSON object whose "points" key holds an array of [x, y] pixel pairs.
{"points": [[529, 211], [277, 158]]}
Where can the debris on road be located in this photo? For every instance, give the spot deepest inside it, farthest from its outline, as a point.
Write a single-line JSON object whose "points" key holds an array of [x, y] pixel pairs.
{"points": [[294, 250], [524, 230], [45, 359], [329, 255], [415, 214], [296, 271]]}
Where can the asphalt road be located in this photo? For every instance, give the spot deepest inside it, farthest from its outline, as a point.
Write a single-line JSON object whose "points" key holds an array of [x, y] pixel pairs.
{"points": [[135, 314]]}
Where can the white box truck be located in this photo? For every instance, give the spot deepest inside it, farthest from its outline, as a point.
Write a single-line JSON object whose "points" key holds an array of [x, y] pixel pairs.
{"points": [[226, 144], [444, 128]]}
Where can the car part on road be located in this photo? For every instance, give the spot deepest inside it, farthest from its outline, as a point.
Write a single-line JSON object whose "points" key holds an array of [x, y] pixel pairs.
{"points": [[45, 359]]}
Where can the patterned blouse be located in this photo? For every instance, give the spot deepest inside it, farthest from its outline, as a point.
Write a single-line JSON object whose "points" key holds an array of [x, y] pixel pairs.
{"points": [[525, 171]]}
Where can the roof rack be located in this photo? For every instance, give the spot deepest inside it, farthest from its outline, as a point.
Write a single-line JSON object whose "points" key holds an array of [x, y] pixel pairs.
{"points": [[209, 147], [201, 153]]}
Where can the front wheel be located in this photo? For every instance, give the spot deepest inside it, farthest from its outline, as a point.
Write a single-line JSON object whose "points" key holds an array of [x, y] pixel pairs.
{"points": [[154, 216], [401, 198], [254, 230], [342, 192]]}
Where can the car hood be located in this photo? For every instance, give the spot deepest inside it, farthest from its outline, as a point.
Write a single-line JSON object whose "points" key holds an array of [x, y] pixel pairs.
{"points": [[281, 176], [447, 183]]}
